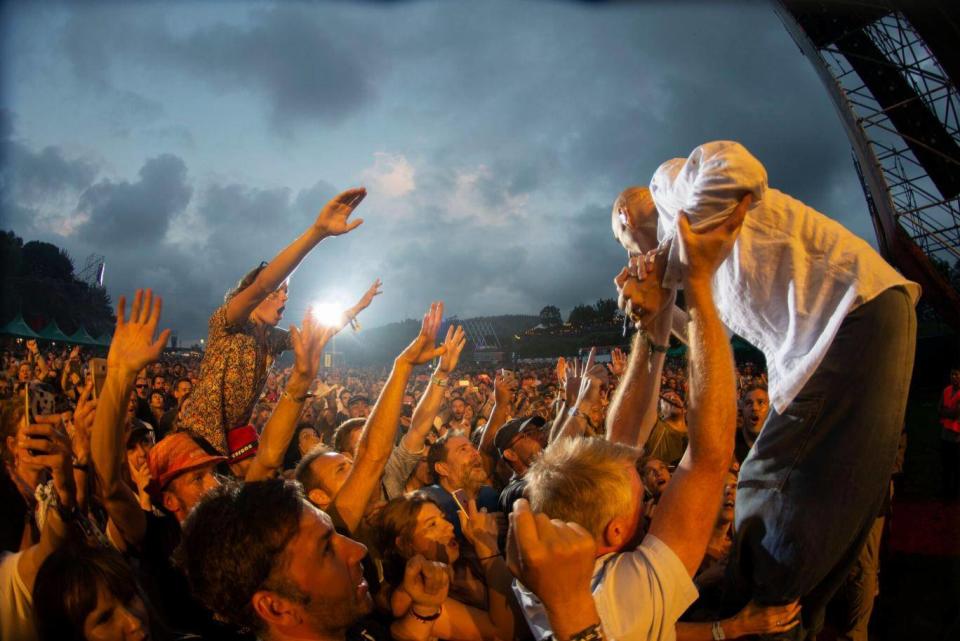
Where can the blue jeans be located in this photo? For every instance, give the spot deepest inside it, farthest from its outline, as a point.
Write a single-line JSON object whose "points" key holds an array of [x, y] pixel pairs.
{"points": [[811, 487]]}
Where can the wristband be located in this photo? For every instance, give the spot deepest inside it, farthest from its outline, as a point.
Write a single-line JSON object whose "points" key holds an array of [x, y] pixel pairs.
{"points": [[590, 633], [717, 630], [657, 349], [299, 399], [441, 382], [428, 618]]}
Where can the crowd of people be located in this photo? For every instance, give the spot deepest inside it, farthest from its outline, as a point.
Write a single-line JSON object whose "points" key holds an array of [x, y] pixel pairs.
{"points": [[172, 497]]}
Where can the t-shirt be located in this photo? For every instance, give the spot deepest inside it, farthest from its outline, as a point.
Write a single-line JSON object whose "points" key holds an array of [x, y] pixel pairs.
{"points": [[639, 594], [16, 602], [400, 466], [666, 443], [487, 497]]}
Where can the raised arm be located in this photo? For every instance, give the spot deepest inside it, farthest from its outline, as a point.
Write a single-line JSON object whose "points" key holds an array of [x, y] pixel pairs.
{"points": [[685, 515], [380, 431], [633, 407], [308, 344], [131, 349], [429, 405], [504, 390], [331, 221]]}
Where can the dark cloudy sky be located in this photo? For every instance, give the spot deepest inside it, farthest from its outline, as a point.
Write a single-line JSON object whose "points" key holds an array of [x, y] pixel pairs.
{"points": [[188, 141]]}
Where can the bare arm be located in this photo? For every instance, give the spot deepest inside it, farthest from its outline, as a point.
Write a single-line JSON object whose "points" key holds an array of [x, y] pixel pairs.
{"points": [[332, 221], [633, 408], [131, 349], [685, 515], [308, 345], [752, 619], [380, 431], [504, 389], [429, 404]]}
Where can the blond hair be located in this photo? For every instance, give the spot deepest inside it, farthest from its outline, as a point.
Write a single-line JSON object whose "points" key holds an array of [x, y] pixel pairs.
{"points": [[584, 480]]}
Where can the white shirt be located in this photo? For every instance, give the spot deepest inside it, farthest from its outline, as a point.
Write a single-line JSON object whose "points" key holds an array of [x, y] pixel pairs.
{"points": [[639, 594], [793, 274], [16, 602]]}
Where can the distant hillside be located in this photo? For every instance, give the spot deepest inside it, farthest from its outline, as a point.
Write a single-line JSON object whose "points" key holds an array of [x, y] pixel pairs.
{"points": [[376, 345]]}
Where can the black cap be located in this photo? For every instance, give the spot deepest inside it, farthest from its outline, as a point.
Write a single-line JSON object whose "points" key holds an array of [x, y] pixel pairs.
{"points": [[359, 398], [139, 432], [526, 425]]}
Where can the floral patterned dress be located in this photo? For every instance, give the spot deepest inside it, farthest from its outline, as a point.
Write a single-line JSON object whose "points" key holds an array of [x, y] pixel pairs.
{"points": [[232, 376]]}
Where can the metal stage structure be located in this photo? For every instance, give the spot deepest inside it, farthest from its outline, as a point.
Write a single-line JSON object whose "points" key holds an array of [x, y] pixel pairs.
{"points": [[891, 69]]}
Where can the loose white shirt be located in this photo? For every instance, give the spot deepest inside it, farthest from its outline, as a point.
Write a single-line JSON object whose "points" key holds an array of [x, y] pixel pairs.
{"points": [[639, 594], [793, 275]]}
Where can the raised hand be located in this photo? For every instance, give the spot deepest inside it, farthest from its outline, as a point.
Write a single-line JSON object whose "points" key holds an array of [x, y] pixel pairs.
{"points": [[422, 349], [368, 296], [43, 445], [308, 343], [618, 362], [427, 582], [703, 250], [133, 346], [83, 417], [333, 218], [505, 386], [552, 558], [639, 294], [562, 371], [454, 343], [480, 529]]}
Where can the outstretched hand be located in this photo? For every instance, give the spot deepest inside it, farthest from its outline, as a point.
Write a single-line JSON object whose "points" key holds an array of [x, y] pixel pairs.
{"points": [[133, 346], [308, 342], [423, 349], [703, 250], [333, 218], [454, 343], [367, 298]]}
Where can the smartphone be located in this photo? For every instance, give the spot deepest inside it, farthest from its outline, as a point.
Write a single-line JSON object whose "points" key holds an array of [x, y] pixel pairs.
{"points": [[506, 373], [463, 382], [460, 497], [28, 414], [99, 368]]}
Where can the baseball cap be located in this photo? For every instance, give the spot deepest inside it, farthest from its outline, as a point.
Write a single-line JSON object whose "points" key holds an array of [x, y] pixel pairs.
{"points": [[242, 442], [359, 398], [523, 425], [175, 454]]}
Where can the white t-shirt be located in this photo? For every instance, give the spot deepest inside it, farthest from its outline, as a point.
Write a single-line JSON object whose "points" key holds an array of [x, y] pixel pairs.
{"points": [[16, 602], [639, 594], [793, 275]]}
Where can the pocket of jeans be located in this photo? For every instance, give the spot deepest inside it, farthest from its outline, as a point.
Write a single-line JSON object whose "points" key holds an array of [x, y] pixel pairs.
{"points": [[786, 439]]}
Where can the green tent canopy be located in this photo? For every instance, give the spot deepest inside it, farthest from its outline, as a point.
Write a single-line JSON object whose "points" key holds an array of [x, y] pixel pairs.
{"points": [[82, 337], [52, 333], [18, 327], [104, 340]]}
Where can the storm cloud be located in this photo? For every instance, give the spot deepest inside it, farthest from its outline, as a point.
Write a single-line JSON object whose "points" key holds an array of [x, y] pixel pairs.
{"points": [[492, 137]]}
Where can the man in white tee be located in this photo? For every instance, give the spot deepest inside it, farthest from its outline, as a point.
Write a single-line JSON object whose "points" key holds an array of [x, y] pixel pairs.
{"points": [[837, 326]]}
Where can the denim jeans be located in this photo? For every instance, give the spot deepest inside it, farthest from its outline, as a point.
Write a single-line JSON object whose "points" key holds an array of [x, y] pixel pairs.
{"points": [[811, 487]]}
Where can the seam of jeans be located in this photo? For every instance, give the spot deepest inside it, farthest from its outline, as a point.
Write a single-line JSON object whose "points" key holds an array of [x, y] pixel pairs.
{"points": [[810, 421]]}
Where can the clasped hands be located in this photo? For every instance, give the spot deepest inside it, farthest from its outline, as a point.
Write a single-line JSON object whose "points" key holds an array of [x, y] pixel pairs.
{"points": [[640, 295]]}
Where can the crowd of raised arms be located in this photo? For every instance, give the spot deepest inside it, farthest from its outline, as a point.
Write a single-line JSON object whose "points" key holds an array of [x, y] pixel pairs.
{"points": [[221, 496]]}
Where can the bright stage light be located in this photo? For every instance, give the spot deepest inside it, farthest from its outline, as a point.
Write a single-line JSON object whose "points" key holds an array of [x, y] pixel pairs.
{"points": [[328, 314]]}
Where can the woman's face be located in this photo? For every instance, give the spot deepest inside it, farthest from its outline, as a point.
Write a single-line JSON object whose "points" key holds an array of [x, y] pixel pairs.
{"points": [[270, 310], [433, 536], [111, 620]]}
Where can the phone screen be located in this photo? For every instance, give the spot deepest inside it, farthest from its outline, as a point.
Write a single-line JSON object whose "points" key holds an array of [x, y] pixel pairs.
{"points": [[460, 496], [99, 368]]}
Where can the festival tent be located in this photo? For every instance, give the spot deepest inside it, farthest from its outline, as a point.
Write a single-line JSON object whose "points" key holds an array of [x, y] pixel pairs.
{"points": [[104, 340], [52, 333], [18, 327], [82, 337]]}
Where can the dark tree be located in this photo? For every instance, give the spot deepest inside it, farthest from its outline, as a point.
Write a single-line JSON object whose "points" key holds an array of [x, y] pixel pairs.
{"points": [[550, 316]]}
